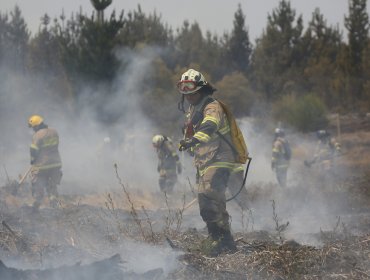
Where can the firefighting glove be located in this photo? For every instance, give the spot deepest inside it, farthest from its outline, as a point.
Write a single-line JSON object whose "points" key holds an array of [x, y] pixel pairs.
{"points": [[179, 167], [188, 143]]}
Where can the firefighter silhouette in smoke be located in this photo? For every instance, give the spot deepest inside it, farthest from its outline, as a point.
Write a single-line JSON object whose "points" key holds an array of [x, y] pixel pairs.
{"points": [[327, 149], [168, 162], [46, 163], [281, 155]]}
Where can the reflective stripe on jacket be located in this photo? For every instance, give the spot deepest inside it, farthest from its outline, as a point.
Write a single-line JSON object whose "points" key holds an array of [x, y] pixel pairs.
{"points": [[167, 155], [44, 149], [212, 150], [278, 153]]}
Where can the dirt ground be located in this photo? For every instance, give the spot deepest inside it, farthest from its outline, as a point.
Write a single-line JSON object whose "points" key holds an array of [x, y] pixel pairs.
{"points": [[302, 232]]}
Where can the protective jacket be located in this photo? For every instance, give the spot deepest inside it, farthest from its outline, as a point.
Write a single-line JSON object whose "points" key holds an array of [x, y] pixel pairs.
{"points": [[278, 159], [167, 155], [209, 122], [44, 149], [326, 151]]}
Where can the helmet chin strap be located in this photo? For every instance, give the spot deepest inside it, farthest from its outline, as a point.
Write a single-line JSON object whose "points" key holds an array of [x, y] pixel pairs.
{"points": [[180, 105]]}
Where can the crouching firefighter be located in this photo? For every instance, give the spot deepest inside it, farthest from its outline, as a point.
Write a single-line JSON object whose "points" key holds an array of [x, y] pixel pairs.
{"points": [[212, 135], [168, 162], [46, 163]]}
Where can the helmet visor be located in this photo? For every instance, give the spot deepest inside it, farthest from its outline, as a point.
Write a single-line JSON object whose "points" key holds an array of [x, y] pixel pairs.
{"points": [[186, 87]]}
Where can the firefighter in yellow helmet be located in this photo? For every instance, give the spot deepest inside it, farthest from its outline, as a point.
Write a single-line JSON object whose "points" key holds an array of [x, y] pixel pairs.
{"points": [[45, 161], [207, 136], [168, 162], [281, 154]]}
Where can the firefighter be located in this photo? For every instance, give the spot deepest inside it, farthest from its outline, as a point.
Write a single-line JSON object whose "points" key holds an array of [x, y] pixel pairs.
{"points": [[45, 162], [168, 162], [205, 131], [281, 155], [327, 149]]}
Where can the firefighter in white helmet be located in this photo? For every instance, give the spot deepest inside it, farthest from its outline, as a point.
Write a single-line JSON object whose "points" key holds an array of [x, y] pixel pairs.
{"points": [[207, 135], [327, 149], [45, 160], [168, 162]]}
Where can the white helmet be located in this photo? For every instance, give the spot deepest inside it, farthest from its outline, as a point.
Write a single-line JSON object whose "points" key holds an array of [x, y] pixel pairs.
{"points": [[157, 140], [191, 81], [279, 132]]}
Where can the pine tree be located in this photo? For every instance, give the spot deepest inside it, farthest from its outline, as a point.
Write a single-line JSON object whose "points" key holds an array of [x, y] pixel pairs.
{"points": [[100, 6], [357, 24], [14, 40], [322, 45], [277, 57], [238, 46]]}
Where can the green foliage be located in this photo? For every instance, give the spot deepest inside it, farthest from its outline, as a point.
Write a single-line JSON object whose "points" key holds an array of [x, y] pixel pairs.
{"points": [[278, 54], [14, 37], [238, 46], [286, 60], [357, 24], [307, 113], [322, 47], [189, 44], [141, 29], [235, 91]]}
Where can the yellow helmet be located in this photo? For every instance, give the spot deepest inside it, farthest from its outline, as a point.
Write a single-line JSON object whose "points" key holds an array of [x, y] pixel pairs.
{"points": [[35, 120]]}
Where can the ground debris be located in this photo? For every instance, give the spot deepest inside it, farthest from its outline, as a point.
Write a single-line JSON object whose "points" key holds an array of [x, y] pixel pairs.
{"points": [[107, 269], [339, 259]]}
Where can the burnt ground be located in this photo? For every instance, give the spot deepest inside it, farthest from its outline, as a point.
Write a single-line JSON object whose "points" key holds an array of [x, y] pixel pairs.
{"points": [[303, 232]]}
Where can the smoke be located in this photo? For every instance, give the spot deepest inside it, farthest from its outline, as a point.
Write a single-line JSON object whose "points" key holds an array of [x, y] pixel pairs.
{"points": [[313, 199], [108, 128]]}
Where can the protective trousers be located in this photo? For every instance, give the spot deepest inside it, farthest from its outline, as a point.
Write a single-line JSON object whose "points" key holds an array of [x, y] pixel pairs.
{"points": [[167, 180], [281, 175], [45, 180], [212, 200]]}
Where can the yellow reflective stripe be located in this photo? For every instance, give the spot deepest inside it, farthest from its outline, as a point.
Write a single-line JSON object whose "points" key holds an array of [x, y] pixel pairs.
{"points": [[202, 137], [174, 154], [275, 150], [212, 119], [48, 166], [224, 130], [228, 165], [282, 166], [34, 146], [52, 141], [238, 169]]}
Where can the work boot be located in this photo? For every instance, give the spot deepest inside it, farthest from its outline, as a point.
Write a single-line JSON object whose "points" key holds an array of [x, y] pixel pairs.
{"points": [[219, 241], [227, 242]]}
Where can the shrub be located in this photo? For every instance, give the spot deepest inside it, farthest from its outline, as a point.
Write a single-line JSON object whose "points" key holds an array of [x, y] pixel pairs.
{"points": [[307, 113]]}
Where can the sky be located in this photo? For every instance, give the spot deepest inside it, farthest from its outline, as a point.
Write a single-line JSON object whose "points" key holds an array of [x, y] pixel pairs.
{"points": [[212, 15]]}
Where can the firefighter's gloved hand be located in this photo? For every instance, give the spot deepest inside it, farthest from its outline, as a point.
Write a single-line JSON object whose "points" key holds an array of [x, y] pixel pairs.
{"points": [[179, 167], [186, 144]]}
